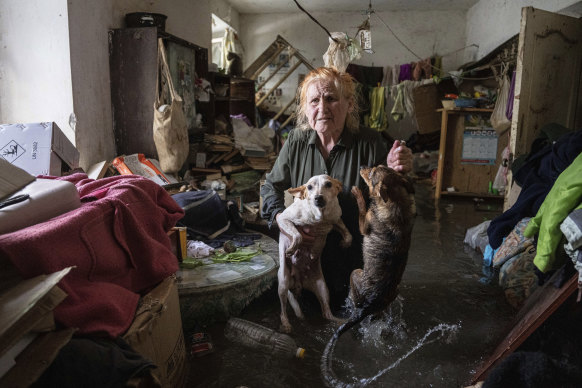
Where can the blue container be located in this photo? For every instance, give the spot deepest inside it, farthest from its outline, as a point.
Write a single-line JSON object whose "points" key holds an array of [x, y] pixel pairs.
{"points": [[465, 103]]}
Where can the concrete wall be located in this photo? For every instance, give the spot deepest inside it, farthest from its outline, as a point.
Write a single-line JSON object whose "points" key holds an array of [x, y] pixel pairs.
{"points": [[35, 67], [89, 23], [492, 22], [424, 32], [55, 61]]}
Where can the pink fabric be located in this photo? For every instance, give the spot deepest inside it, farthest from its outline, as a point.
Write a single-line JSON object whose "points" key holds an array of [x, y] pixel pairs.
{"points": [[117, 240]]}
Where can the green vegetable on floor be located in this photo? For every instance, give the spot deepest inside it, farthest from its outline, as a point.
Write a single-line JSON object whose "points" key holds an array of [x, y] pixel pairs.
{"points": [[191, 262], [237, 256]]}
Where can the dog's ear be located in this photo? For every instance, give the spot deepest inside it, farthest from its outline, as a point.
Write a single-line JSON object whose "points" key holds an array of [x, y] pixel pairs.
{"points": [[383, 191], [299, 192], [407, 183], [337, 185]]}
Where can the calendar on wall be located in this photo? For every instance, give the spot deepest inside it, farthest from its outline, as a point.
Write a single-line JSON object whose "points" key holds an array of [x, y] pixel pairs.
{"points": [[479, 145]]}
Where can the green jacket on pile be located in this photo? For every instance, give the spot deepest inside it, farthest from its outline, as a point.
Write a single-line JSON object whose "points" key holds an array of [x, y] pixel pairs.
{"points": [[563, 198]]}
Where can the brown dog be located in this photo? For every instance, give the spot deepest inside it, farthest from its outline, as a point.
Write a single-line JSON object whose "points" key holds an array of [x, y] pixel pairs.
{"points": [[387, 229]]}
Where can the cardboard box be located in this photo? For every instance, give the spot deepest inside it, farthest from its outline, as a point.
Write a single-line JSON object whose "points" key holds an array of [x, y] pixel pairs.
{"points": [[38, 148], [27, 310], [426, 102], [156, 333]]}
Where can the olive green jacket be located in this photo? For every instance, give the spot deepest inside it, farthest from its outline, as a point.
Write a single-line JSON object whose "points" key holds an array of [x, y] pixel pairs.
{"points": [[300, 159]]}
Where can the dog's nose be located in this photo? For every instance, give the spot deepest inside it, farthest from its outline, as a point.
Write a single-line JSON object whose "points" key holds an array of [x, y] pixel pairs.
{"points": [[319, 201]]}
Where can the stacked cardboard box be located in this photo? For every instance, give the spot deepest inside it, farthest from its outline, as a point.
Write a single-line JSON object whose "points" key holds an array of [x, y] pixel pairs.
{"points": [[28, 339], [156, 333], [38, 148]]}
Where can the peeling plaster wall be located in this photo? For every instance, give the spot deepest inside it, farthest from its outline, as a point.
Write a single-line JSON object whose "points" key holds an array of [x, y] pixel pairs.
{"points": [[55, 61], [90, 22], [35, 70], [492, 22], [424, 32], [224, 11]]}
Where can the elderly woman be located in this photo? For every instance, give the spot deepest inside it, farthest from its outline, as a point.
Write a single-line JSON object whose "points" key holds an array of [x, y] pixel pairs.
{"points": [[328, 140]]}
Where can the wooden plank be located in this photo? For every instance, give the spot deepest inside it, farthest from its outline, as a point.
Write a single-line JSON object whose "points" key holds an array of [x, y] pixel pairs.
{"points": [[281, 64], [442, 150], [539, 306], [291, 102], [283, 78], [267, 57], [548, 77]]}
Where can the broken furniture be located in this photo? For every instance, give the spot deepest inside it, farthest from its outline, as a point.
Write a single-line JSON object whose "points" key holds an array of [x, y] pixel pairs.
{"points": [[271, 56]]}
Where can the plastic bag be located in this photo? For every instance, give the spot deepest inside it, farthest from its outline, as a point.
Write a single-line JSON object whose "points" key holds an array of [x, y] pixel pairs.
{"points": [[499, 120], [501, 178], [339, 54], [477, 237], [247, 137]]}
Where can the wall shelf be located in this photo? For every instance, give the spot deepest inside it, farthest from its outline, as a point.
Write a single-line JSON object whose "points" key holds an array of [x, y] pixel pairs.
{"points": [[469, 180]]}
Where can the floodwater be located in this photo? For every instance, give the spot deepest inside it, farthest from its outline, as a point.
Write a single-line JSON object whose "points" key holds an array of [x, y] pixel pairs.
{"points": [[449, 317]]}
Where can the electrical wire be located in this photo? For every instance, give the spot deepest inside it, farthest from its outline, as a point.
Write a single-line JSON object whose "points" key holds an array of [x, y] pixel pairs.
{"points": [[460, 76], [315, 20]]}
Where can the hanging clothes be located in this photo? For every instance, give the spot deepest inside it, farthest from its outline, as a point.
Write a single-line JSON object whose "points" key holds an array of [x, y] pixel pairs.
{"points": [[403, 98], [421, 70], [509, 109], [395, 74], [405, 72], [367, 75], [387, 82], [378, 119]]}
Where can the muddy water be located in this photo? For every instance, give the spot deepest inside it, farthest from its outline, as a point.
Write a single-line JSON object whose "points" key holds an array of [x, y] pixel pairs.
{"points": [[445, 289]]}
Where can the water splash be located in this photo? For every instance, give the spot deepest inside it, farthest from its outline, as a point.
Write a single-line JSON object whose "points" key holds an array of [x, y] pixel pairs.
{"points": [[446, 332], [392, 324]]}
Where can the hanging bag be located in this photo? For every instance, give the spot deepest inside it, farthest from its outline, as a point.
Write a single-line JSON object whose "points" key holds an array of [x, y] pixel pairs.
{"points": [[499, 120], [170, 128]]}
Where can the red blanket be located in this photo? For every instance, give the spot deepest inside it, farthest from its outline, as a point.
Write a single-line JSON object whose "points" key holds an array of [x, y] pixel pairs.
{"points": [[117, 241]]}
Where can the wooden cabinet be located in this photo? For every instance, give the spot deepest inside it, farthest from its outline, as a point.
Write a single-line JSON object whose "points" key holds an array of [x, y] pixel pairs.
{"points": [[233, 96], [133, 70], [467, 179], [548, 82]]}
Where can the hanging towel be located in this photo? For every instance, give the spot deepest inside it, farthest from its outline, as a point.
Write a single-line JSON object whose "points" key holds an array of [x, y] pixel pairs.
{"points": [[395, 74], [378, 119], [404, 100]]}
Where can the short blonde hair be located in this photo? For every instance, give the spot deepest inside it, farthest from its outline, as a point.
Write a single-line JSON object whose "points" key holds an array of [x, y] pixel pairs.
{"points": [[344, 84]]}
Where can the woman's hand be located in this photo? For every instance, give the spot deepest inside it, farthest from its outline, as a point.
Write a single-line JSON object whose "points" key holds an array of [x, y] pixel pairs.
{"points": [[307, 238], [400, 157]]}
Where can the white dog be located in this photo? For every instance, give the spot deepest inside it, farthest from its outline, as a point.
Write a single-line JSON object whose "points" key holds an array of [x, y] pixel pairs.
{"points": [[315, 206]]}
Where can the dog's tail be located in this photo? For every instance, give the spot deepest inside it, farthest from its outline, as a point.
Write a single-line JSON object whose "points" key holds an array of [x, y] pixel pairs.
{"points": [[329, 376]]}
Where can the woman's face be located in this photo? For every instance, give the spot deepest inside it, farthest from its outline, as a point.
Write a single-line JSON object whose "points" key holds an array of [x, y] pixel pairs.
{"points": [[326, 109]]}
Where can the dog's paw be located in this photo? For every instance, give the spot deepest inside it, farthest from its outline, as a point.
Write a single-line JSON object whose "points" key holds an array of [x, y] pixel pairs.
{"points": [[294, 245], [356, 192], [285, 328]]}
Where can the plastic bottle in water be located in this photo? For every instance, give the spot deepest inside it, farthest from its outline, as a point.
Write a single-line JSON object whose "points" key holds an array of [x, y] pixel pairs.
{"points": [[259, 337]]}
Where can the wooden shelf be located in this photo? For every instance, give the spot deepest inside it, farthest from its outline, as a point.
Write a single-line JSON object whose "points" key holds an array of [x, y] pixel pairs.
{"points": [[470, 194], [468, 179]]}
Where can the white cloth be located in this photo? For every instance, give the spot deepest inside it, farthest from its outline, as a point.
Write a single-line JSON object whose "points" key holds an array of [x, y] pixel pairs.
{"points": [[198, 249]]}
